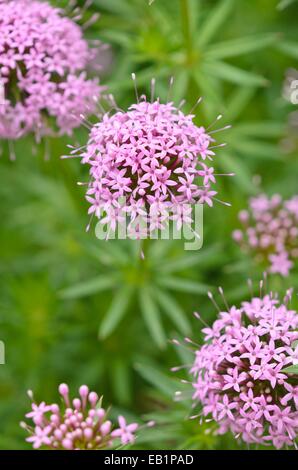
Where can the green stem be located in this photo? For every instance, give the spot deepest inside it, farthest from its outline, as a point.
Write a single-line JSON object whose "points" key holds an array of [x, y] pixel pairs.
{"points": [[185, 20]]}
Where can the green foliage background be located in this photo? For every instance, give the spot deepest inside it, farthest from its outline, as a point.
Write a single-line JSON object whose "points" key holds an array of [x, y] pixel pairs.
{"points": [[77, 310]]}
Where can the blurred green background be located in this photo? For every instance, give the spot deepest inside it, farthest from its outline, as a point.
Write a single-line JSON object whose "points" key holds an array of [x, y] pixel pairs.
{"points": [[78, 310]]}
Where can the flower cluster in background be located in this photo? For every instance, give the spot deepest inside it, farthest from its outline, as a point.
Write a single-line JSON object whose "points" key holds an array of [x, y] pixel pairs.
{"points": [[78, 424], [239, 375], [43, 60], [153, 157], [68, 298], [270, 231]]}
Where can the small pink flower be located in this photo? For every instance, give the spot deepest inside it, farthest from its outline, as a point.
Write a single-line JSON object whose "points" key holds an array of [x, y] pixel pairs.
{"points": [[225, 408], [291, 395], [234, 380], [38, 412], [40, 437], [125, 431]]}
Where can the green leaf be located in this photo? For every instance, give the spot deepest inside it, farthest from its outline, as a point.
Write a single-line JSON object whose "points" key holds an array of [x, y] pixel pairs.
{"points": [[183, 285], [116, 311], [284, 4], [264, 129], [289, 48], [151, 316], [194, 8], [180, 84], [237, 292], [241, 46], [215, 19], [121, 379], [159, 380], [110, 253], [117, 7], [160, 249], [291, 369], [92, 286], [241, 266], [117, 37], [210, 90], [203, 258], [238, 102], [233, 74], [173, 310], [143, 78], [243, 176], [257, 149]]}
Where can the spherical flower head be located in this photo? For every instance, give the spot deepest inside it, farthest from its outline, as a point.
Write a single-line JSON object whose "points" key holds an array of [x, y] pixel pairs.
{"points": [[270, 231], [149, 165], [239, 373], [43, 61], [78, 424]]}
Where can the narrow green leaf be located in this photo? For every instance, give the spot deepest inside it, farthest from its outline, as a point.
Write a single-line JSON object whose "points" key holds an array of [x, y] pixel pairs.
{"points": [[117, 37], [218, 15], [289, 48], [117, 7], [241, 266], [237, 292], [243, 176], [163, 383], [92, 286], [261, 129], [121, 380], [183, 285], [160, 249], [241, 46], [194, 8], [210, 90], [116, 311], [173, 310], [233, 74], [291, 369], [238, 102], [110, 252], [203, 258], [284, 4], [143, 78], [257, 149], [151, 317], [180, 84]]}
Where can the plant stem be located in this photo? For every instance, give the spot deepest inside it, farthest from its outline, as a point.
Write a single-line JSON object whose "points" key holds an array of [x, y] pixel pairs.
{"points": [[185, 20]]}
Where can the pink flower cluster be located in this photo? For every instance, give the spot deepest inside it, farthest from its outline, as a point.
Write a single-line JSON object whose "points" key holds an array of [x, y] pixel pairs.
{"points": [[80, 424], [239, 373], [43, 57], [148, 164], [271, 231]]}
